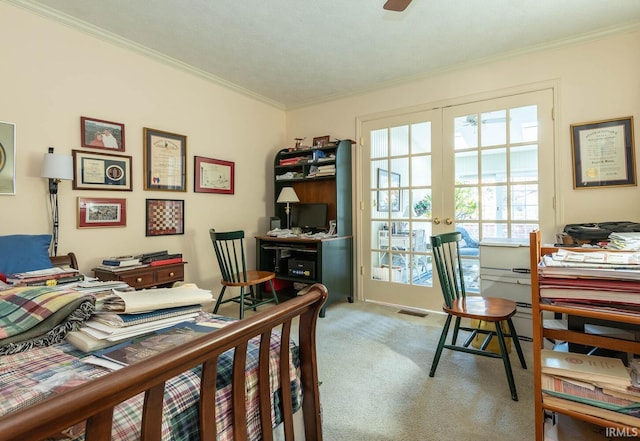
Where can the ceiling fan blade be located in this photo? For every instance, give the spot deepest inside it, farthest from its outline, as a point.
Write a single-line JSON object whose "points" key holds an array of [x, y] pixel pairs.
{"points": [[396, 5]]}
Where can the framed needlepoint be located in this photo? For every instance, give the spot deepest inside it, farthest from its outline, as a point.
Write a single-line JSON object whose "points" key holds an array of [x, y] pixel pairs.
{"points": [[102, 212], [164, 217]]}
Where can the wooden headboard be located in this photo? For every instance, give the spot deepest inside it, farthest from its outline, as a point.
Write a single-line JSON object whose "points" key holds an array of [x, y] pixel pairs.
{"points": [[68, 259], [95, 400]]}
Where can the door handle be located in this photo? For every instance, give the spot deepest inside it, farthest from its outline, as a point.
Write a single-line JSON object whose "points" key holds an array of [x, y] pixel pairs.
{"points": [[436, 220], [449, 221]]}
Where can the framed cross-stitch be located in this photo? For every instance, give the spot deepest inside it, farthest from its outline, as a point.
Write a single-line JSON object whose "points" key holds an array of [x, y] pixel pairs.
{"points": [[100, 134], [603, 153], [101, 171], [102, 212], [164, 217], [165, 160], [7, 158], [213, 175]]}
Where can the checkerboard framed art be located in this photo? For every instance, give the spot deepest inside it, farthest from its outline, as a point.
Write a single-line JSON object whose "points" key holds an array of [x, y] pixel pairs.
{"points": [[164, 217]]}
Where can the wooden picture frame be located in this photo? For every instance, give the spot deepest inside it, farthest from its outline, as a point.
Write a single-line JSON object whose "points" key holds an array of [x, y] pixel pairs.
{"points": [[389, 191], [603, 153], [7, 158], [101, 134], [165, 160], [164, 217], [213, 175], [320, 141], [102, 212], [101, 171]]}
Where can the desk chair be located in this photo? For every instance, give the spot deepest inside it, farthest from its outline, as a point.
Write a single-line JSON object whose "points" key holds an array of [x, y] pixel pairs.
{"points": [[229, 248], [446, 254]]}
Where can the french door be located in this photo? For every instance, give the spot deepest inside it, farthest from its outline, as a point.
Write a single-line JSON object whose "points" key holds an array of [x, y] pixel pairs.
{"points": [[483, 168]]}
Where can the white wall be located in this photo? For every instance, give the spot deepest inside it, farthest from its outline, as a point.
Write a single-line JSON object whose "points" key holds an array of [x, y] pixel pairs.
{"points": [[52, 75], [598, 79]]}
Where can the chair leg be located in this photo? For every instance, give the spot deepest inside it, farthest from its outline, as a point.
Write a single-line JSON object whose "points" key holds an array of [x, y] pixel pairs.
{"points": [[456, 329], [273, 292], [241, 303], [219, 301], [507, 362], [516, 343], [443, 337]]}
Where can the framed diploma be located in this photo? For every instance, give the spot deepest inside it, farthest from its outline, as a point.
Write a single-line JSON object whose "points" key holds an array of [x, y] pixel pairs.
{"points": [[165, 156], [101, 171], [213, 175], [603, 153]]}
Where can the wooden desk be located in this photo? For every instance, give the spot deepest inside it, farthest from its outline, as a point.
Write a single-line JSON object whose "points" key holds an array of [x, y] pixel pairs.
{"points": [[145, 277], [328, 261]]}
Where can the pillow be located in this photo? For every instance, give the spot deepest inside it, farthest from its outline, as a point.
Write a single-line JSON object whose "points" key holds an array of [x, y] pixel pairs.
{"points": [[24, 252]]}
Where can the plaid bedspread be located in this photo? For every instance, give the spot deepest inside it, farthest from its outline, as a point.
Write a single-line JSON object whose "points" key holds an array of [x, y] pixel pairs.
{"points": [[23, 308], [28, 377]]}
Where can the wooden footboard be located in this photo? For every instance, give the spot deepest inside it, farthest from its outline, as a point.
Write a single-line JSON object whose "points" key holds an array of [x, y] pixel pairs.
{"points": [[94, 401]]}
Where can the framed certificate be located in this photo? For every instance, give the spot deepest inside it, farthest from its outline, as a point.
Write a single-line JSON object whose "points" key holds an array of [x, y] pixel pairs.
{"points": [[165, 158], [213, 175], [603, 153], [101, 171]]}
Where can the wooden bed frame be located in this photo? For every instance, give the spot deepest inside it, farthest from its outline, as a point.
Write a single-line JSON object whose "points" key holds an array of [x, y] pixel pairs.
{"points": [[95, 400]]}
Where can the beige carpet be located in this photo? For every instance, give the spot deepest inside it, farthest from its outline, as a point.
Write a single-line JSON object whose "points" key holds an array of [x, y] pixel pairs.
{"points": [[374, 366]]}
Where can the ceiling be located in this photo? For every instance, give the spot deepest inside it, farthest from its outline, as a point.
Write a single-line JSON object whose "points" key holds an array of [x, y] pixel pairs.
{"points": [[292, 53]]}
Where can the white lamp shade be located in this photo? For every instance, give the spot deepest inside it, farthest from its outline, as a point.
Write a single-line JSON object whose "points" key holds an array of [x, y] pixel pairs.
{"points": [[287, 194], [57, 166]]}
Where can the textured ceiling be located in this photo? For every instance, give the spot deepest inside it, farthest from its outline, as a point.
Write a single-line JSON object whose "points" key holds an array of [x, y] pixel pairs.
{"points": [[296, 52]]}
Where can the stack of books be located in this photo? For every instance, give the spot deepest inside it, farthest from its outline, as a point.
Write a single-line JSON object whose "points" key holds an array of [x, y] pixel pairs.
{"points": [[594, 385], [326, 170], [602, 281], [151, 344], [45, 277], [294, 160], [123, 263], [128, 314], [106, 329]]}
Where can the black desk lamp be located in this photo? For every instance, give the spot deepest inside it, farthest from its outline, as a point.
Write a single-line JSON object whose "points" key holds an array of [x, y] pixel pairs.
{"points": [[56, 168]]}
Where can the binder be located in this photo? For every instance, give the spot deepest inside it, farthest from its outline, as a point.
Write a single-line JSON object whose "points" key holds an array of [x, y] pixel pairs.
{"points": [[123, 320]]}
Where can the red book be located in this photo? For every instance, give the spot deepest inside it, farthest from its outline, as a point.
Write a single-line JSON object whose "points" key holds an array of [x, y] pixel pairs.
{"points": [[166, 261]]}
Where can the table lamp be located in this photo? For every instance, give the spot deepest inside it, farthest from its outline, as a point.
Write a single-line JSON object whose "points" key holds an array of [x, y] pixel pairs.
{"points": [[288, 195], [56, 168]]}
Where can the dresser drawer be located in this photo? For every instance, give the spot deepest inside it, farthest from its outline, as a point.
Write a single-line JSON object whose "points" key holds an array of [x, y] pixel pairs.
{"points": [[139, 280], [170, 273]]}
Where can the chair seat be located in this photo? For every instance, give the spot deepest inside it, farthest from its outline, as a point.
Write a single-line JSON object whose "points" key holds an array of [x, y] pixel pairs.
{"points": [[490, 309], [253, 278]]}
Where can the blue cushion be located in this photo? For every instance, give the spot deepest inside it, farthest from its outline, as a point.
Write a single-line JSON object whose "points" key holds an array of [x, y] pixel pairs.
{"points": [[24, 252]]}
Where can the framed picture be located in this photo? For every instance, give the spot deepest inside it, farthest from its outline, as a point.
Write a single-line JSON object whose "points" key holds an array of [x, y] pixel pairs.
{"points": [[7, 158], [213, 175], [102, 212], [165, 161], [164, 217], [320, 141], [101, 171], [388, 199], [100, 134], [603, 153]]}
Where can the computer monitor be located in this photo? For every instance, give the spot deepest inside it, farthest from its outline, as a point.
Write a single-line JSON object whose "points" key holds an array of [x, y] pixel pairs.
{"points": [[310, 217]]}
